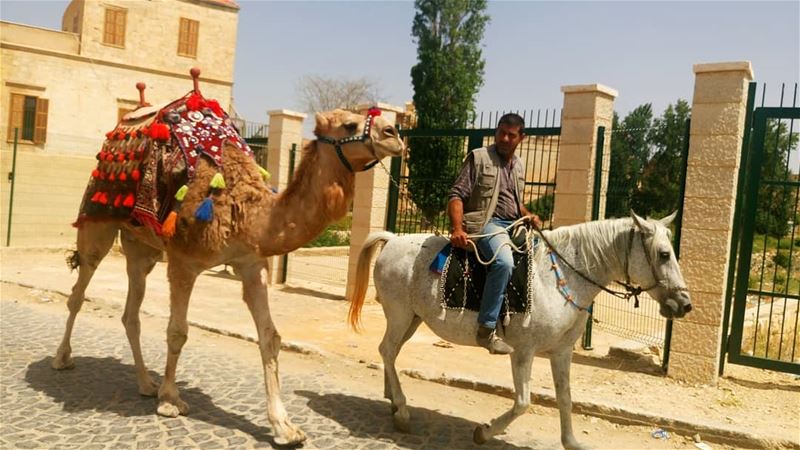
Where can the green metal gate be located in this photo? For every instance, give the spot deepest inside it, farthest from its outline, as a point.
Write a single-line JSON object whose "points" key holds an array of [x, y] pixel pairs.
{"points": [[538, 151], [764, 329]]}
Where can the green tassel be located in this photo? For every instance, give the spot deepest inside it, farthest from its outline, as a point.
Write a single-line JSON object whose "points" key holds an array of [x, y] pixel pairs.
{"points": [[217, 182], [264, 173], [181, 194]]}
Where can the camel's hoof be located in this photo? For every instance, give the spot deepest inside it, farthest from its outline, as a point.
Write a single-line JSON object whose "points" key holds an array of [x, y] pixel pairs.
{"points": [[402, 420], [481, 434], [149, 388], [294, 437], [63, 362], [168, 409]]}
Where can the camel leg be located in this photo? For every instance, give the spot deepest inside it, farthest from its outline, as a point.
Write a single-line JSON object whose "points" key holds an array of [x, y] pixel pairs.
{"points": [[400, 326], [141, 259], [521, 361], [560, 365], [181, 282], [254, 286], [94, 241]]}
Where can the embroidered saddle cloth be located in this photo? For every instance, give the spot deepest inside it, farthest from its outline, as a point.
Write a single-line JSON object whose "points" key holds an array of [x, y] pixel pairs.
{"points": [[463, 278], [150, 154]]}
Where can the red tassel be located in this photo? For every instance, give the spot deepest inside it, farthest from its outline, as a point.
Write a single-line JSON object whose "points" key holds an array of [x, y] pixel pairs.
{"points": [[159, 131], [120, 135], [121, 157], [129, 201], [215, 108], [123, 176], [109, 156], [195, 102], [135, 175], [129, 156], [144, 131], [95, 173], [117, 200], [96, 197], [103, 198], [110, 135], [111, 177]]}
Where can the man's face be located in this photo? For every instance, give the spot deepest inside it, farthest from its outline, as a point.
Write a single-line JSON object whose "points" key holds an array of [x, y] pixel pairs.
{"points": [[507, 137]]}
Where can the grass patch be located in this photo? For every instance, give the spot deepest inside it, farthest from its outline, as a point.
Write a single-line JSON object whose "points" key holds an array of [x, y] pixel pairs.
{"points": [[767, 342]]}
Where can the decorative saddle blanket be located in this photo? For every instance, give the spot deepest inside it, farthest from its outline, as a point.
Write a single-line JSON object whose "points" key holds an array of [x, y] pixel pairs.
{"points": [[150, 154], [463, 278]]}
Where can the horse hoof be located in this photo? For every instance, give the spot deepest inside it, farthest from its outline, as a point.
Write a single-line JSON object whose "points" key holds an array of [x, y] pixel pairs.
{"points": [[481, 434], [295, 437], [402, 420]]}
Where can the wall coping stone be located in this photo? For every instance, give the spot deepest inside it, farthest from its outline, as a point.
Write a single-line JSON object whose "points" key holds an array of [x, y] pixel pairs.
{"points": [[584, 88], [287, 112], [734, 66]]}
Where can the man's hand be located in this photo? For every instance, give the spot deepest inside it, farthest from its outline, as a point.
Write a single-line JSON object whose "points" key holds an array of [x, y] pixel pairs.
{"points": [[458, 239], [535, 220]]}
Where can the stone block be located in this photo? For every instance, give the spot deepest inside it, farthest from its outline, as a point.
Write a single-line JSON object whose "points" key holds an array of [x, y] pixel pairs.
{"points": [[581, 105], [578, 131], [705, 276], [695, 339], [708, 213], [572, 207], [707, 308], [720, 87], [715, 151], [711, 182], [742, 67], [574, 182], [575, 156], [692, 368], [705, 245], [717, 119]]}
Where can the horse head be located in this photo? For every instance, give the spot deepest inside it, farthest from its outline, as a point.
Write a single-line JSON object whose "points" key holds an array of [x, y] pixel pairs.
{"points": [[653, 265], [359, 141]]}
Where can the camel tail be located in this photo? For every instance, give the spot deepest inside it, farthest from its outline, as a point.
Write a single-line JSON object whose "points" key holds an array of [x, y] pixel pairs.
{"points": [[362, 276]]}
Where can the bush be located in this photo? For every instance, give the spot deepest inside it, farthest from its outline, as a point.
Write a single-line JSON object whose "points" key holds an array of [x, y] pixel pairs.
{"points": [[330, 238], [781, 259]]}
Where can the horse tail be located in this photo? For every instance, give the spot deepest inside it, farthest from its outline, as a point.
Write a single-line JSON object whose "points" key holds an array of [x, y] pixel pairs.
{"points": [[362, 276]]}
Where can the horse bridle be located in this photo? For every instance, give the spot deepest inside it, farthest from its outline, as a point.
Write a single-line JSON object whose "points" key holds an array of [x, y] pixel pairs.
{"points": [[631, 290], [338, 143]]}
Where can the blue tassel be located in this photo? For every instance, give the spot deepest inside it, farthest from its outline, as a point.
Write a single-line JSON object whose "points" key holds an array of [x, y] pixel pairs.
{"points": [[205, 211]]}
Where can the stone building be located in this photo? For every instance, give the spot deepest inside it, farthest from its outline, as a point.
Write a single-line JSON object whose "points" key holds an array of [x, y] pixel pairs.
{"points": [[63, 90]]}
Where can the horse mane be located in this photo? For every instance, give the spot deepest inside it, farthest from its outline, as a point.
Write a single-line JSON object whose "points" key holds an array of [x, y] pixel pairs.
{"points": [[588, 240]]}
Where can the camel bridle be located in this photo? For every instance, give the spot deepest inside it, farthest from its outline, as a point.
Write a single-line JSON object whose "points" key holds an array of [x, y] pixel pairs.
{"points": [[364, 137]]}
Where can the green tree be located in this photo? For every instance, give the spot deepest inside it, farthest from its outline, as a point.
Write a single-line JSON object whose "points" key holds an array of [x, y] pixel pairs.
{"points": [[659, 188], [446, 79], [776, 202], [629, 153]]}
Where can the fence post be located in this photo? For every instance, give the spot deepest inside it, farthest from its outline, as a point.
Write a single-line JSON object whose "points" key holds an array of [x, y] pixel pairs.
{"points": [[586, 107], [13, 179], [715, 144], [369, 204], [285, 131]]}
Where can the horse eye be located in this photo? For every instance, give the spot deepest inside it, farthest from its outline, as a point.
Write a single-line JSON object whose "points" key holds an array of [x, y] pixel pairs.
{"points": [[663, 255], [351, 127]]}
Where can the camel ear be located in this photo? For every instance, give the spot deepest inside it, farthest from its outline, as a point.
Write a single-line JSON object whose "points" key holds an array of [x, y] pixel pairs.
{"points": [[322, 123], [643, 224], [668, 220]]}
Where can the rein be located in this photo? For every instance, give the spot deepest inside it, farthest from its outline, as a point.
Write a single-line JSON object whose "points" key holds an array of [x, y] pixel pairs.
{"points": [[338, 143]]}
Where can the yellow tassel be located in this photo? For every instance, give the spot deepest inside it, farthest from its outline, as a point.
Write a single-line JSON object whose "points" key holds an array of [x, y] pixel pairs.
{"points": [[168, 227], [264, 173], [217, 182], [181, 194]]}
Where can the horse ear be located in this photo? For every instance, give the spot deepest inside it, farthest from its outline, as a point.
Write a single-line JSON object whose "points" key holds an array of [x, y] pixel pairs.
{"points": [[643, 224], [668, 220], [322, 124]]}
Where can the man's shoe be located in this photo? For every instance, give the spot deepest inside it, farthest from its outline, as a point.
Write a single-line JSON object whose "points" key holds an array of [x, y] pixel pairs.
{"points": [[488, 339]]}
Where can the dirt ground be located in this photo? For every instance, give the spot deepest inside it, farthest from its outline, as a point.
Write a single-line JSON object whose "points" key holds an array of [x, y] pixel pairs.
{"points": [[621, 387]]}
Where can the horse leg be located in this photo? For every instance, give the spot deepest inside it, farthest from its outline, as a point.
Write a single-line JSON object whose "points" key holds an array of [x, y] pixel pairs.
{"points": [[400, 326], [181, 282], [560, 364], [94, 241], [521, 361], [141, 259], [254, 286]]}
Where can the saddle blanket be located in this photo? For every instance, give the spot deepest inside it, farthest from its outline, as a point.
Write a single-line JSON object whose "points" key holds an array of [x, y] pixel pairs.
{"points": [[463, 278]]}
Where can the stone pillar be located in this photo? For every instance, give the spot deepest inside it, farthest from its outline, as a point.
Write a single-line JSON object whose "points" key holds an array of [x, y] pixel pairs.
{"points": [[586, 107], [369, 204], [718, 122], [285, 129]]}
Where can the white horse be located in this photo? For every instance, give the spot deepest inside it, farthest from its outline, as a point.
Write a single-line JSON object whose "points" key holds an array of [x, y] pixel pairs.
{"points": [[634, 249]]}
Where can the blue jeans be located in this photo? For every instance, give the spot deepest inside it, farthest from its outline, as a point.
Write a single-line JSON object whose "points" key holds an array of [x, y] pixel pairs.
{"points": [[498, 273]]}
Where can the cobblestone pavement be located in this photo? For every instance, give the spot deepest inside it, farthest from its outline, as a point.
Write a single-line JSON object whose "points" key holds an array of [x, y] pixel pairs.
{"points": [[96, 405]]}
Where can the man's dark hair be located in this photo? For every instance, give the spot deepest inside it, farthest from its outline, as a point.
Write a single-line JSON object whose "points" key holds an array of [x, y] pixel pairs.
{"points": [[515, 120]]}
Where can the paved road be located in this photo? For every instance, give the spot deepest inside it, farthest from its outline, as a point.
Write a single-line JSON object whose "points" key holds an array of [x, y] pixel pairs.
{"points": [[96, 405]]}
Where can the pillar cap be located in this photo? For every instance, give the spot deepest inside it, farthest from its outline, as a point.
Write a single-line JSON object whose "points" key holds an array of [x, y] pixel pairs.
{"points": [[589, 88], [734, 66], [288, 113], [382, 107]]}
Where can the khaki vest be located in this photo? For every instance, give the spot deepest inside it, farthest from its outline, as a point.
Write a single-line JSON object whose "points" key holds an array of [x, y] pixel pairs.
{"points": [[483, 201]]}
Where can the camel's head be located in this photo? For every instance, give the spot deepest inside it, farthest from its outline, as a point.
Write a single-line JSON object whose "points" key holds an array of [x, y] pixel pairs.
{"points": [[361, 139]]}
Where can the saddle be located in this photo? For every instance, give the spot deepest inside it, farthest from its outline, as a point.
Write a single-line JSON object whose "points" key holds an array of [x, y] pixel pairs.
{"points": [[463, 278], [151, 153]]}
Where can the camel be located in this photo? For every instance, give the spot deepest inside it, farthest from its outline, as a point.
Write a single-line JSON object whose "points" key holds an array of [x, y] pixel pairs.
{"points": [[249, 224]]}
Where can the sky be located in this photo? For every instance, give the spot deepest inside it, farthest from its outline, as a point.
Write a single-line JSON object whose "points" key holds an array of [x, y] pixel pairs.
{"points": [[645, 50]]}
